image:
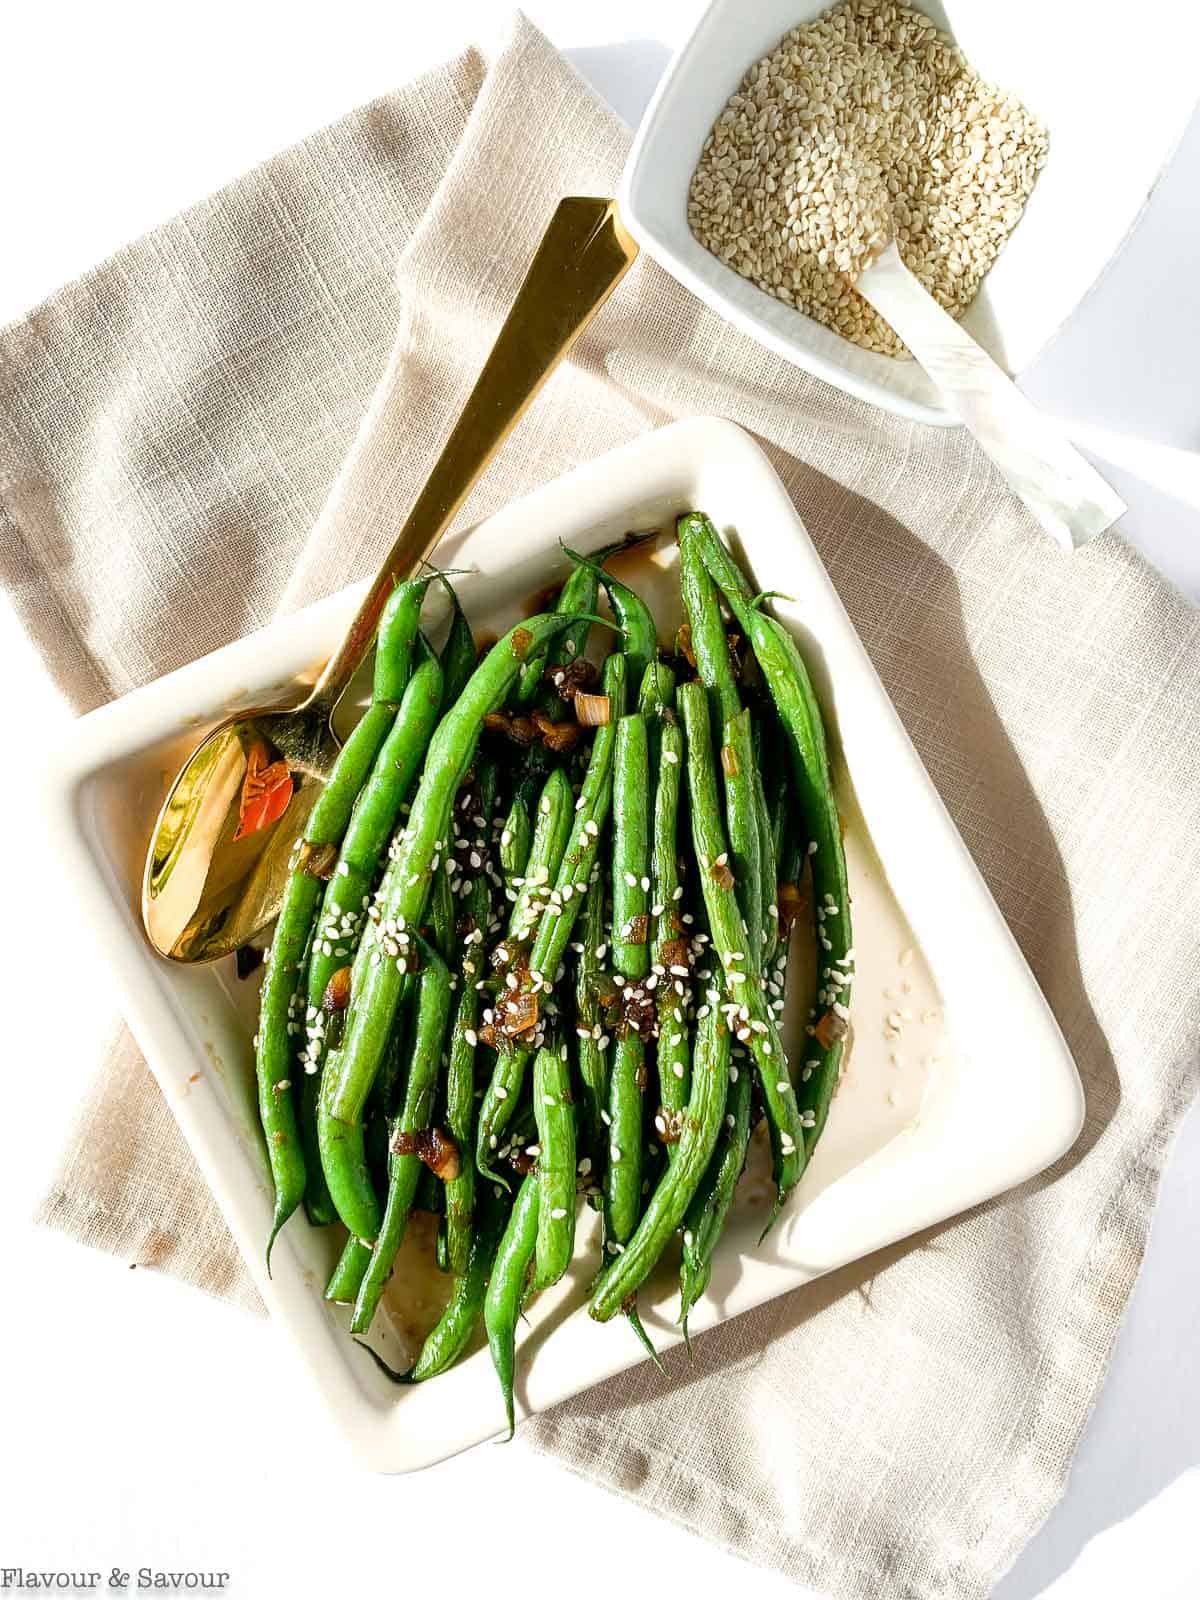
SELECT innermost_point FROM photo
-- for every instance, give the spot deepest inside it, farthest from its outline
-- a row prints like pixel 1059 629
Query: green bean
pixel 282 985
pixel 747 1009
pixel 385 1092
pixel 589 816
pixel 578 594
pixel 318 1202
pixel 555 811
pixel 442 914
pixel 788 893
pixel 591 1049
pixel 451 1334
pixel 500 1100
pixel 552 828
pixel 373 818
pixel 458 653
pixel 702 541
pixel 791 690
pixel 379 966
pixel 710 1205
pixel 768 864
pixel 505 1295
pixel 395 639
pixel 670 950
pixel 631 849
pixel 515 841
pixel 345 1165
pixel 710 646
pixel 701 1125
pixel 433 1013
pixel 639 642
pixel 555 1114
pixel 656 697
pixel 800 715
pixel 745 839
pixel 460 1067
pixel 349 1273
pixel 778 800
pixel 656 693
pixel 631 961
pixel 347 894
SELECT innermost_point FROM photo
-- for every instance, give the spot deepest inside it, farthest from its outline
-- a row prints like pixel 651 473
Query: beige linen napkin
pixel 230 416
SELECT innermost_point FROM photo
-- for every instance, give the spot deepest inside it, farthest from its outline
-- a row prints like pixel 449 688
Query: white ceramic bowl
pixel 1113 88
pixel 1010 1104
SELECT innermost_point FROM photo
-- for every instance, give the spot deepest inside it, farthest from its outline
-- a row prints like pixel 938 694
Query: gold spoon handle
pixel 584 254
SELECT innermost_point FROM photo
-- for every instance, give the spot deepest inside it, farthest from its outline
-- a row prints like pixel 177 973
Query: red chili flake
pixel 266 790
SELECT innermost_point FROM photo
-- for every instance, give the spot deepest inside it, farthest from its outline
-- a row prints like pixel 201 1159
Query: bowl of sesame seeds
pixel 788 140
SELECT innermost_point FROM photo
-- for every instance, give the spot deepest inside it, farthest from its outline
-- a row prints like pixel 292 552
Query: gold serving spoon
pixel 217 863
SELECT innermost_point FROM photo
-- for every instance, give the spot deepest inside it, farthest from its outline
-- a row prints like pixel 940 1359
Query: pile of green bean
pixel 533 950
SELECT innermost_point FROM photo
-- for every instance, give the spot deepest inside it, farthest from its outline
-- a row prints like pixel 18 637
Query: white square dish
pixel 1008 1105
pixel 1072 66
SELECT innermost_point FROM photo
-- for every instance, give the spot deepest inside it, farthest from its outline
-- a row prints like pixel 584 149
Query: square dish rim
pixel 366 1409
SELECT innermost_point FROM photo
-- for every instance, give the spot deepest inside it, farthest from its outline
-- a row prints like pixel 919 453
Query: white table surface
pixel 144 1424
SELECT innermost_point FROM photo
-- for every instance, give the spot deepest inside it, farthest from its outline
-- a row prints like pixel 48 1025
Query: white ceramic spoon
pixel 1067 496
